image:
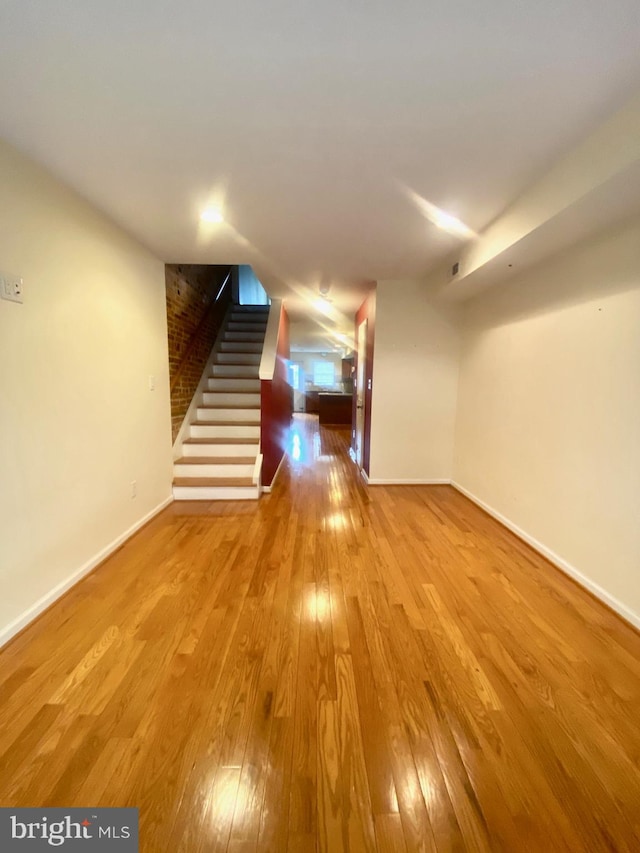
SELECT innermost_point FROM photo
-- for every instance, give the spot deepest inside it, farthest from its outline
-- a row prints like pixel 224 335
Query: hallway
pixel 332 668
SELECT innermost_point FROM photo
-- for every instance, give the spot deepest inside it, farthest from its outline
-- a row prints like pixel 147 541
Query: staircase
pixel 219 459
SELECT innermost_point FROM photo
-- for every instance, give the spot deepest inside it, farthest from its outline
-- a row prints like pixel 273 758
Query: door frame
pixel 361 390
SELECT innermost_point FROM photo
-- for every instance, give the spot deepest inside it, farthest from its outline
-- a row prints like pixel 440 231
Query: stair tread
pixel 213 481
pixel 236 406
pixel 224 423
pixel 218 440
pixel 215 460
pixel 231 391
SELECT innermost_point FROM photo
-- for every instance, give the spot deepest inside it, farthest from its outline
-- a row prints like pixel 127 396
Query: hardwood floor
pixel 334 668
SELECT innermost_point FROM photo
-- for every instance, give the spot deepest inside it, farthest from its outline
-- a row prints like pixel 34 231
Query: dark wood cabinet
pixel 335 408
pixel 311 402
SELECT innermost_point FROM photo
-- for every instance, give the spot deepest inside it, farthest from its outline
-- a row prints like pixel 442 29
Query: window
pixel 294 376
pixel 323 373
pixel 250 291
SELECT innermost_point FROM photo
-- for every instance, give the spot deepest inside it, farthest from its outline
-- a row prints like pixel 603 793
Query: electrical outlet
pixel 11 288
pixel 152 383
pixel 134 488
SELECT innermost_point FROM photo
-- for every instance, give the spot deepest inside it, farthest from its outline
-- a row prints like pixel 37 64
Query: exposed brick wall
pixel 191 290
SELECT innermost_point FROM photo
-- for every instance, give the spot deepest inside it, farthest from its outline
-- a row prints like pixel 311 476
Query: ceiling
pixel 315 127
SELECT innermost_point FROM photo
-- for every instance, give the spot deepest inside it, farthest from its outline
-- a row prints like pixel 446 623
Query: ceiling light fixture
pixel 322 305
pixel 442 219
pixel 450 223
pixel 212 215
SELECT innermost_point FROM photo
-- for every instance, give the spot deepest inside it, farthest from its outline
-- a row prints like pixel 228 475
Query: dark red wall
pixel 367 311
pixel 277 407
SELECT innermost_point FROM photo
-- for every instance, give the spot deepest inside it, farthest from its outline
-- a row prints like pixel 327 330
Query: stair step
pixel 213 481
pixel 208 466
pixel 232 359
pixel 215 460
pixel 205 422
pixel 224 415
pixel 239 371
pixel 243 336
pixel 246 326
pixel 241 346
pixel 234 384
pixel 238 358
pixel 216 493
pixel 216 429
pixel 231 399
pixel 240 407
pixel 221 448
pixel 220 441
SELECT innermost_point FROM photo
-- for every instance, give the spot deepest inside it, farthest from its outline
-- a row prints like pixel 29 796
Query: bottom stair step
pixel 213 481
pixel 215 489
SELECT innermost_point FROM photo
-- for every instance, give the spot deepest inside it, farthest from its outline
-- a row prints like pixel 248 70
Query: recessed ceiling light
pixel 212 214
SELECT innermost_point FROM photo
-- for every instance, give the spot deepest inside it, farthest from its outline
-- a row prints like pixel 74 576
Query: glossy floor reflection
pixel 334 668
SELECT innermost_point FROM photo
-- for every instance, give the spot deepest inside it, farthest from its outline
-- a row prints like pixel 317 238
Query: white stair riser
pixel 250 416
pixel 216 493
pixel 224 384
pixel 219 431
pixel 219 450
pixel 213 469
pixel 239 346
pixel 222 398
pixel 253 337
pixel 249 371
pixel 238 357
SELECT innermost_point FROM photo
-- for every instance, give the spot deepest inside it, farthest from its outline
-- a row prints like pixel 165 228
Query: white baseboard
pixel 563 565
pixel 381 481
pixel 364 476
pixel 47 600
pixel 267 489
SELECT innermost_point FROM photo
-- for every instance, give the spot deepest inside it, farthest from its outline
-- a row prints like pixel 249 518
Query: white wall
pixel 415 375
pixel 548 425
pixel 77 419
